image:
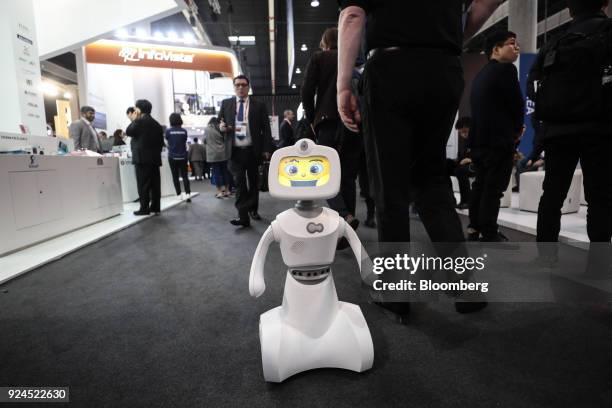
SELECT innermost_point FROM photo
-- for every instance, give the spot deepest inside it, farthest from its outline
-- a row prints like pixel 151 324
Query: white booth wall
pixel 111 89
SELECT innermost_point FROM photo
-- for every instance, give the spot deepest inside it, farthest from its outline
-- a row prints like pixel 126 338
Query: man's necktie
pixel 240 117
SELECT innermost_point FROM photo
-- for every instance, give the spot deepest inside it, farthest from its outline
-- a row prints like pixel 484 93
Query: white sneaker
pixel 182 196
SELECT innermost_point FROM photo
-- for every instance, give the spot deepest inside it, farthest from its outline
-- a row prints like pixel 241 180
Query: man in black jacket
pixel 147 143
pixel 245 121
pixel 320 86
pixel 568 138
pixel 497 123
pixel 287 135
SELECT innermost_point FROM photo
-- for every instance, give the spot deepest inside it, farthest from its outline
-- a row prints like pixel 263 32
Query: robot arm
pixel 362 257
pixel 257 285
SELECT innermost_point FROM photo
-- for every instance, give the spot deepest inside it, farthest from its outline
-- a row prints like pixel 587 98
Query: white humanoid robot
pixel 311 329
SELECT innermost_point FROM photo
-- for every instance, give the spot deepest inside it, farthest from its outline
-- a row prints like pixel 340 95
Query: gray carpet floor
pixel 159 315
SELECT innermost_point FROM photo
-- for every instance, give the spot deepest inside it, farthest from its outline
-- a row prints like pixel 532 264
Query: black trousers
pixel 410 101
pixel 463 174
pixel 244 166
pixel 148 181
pixel 179 168
pixel 334 134
pixel 562 156
pixel 493 169
pixel 364 184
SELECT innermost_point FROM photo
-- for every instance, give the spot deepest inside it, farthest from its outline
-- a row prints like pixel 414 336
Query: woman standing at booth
pixel 217 156
pixel 176 137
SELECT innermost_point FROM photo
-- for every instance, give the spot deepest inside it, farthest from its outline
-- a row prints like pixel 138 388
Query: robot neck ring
pixel 305 205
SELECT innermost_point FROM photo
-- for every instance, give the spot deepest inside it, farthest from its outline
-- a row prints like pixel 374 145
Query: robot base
pixel 312 329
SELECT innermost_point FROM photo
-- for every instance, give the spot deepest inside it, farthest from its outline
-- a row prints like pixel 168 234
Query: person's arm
pixel 479 13
pixel 75 134
pixel 309 88
pixel 350 31
pixel 535 74
pixel 267 132
pixel 514 97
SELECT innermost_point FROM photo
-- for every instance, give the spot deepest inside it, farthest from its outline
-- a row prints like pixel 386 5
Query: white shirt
pixel 242 133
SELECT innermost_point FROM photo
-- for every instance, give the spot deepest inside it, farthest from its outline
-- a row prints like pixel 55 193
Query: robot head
pixel 304 171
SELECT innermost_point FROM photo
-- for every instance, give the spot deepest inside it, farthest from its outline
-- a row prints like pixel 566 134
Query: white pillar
pixel 21 106
pixel 523 20
pixel 81 69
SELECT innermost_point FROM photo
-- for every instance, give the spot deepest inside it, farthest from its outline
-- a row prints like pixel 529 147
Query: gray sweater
pixel 216 145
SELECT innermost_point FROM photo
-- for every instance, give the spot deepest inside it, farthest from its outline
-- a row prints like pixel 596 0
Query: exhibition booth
pixel 51 193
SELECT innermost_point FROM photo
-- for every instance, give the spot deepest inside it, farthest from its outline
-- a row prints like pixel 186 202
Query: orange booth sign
pixel 161 56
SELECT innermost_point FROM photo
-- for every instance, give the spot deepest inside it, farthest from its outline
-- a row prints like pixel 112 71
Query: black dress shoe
pixel 469 307
pixel 139 212
pixel 499 237
pixel 255 216
pixel 401 310
pixel 370 222
pixel 462 206
pixel 240 223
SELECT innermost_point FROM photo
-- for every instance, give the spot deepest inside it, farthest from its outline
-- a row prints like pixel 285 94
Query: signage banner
pixel 161 56
pixel 525 63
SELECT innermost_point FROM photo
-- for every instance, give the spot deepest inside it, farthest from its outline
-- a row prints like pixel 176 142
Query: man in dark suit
pixel 147 143
pixel 245 121
pixel 287 135
pixel 497 124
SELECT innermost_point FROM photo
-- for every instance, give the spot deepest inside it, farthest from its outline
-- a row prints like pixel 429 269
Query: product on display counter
pixel 311 329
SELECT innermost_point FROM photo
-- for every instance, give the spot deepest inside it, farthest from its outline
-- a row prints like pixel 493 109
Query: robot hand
pixel 257 284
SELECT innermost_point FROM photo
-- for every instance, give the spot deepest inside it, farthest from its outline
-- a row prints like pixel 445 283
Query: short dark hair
pixel 117 133
pixel 578 7
pixel 144 106
pixel 497 39
pixel 329 39
pixel 195 140
pixel 214 121
pixel 241 76
pixel 176 120
pixel 463 122
pixel 130 110
pixel 86 108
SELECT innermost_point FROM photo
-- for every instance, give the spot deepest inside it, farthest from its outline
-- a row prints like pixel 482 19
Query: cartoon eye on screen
pixel 311 171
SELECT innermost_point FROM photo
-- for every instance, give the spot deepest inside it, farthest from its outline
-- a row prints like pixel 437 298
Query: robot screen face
pixel 310 171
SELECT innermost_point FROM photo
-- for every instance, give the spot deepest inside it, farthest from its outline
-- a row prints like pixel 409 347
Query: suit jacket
pixel 320 80
pixel 147 140
pixel 498 108
pixel 259 124
pixel 286 136
pixel 83 136
pixel 197 152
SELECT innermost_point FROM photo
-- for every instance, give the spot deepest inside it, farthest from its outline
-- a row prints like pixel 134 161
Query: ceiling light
pixel 242 39
pixel 141 34
pixel 172 36
pixel 298 70
pixel 314 3
pixel 121 33
pixel 188 38
pixel 49 89
pixel 304 47
pixel 293 86
pixel 158 35
pixel 67 95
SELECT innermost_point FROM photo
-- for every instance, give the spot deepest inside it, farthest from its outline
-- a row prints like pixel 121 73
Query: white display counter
pixel 45 196
pixel 129 188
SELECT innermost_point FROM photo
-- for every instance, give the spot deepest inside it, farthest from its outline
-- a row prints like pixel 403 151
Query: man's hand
pixel 538 163
pixel 222 126
pixel 266 156
pixel 465 161
pixel 348 109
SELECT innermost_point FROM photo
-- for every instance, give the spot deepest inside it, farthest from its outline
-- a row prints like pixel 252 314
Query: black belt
pixel 410 50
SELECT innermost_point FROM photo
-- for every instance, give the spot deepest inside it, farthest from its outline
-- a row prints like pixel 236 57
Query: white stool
pixel 455 184
pixel 582 199
pixel 506 200
pixel 531 191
